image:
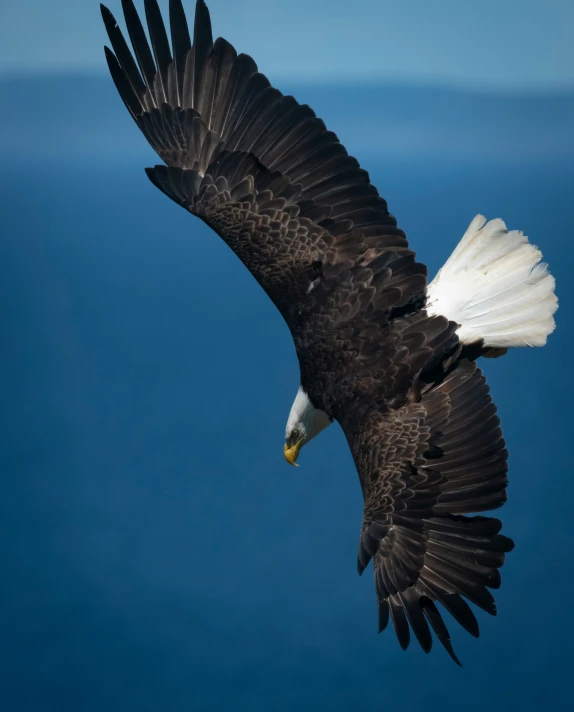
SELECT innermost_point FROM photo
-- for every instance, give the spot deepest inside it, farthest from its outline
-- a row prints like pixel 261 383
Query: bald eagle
pixel 388 356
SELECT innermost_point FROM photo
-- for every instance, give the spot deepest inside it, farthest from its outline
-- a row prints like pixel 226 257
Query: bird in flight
pixel 389 356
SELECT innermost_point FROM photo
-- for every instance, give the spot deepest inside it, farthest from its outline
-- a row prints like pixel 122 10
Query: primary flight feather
pixel 390 357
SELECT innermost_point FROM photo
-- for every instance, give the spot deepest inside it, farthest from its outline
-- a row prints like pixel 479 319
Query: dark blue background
pixel 157 552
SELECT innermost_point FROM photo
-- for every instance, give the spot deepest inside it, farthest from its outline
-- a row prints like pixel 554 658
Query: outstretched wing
pixel 423 467
pixel 259 168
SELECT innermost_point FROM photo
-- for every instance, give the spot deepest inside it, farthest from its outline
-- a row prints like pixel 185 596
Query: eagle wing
pixel 423 466
pixel 261 169
pixel 428 448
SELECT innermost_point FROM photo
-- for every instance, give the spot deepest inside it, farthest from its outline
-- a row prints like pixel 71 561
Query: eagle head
pixel 304 423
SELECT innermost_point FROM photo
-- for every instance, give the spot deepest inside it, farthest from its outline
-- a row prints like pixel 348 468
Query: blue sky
pixel 157 552
pixel 494 43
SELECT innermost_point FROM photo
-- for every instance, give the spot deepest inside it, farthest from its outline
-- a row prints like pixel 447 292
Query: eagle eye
pixel 295 433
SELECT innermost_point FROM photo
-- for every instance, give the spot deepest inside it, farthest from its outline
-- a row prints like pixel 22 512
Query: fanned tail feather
pixel 496 289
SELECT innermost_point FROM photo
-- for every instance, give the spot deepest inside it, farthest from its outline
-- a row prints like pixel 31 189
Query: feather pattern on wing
pixel 423 464
pixel 223 104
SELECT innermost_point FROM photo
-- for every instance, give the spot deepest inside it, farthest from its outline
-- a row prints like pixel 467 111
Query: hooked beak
pixel 292 453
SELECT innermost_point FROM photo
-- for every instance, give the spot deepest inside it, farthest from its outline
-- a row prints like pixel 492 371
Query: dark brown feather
pixel 139 43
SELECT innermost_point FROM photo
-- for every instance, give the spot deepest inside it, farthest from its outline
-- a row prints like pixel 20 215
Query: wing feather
pixel 181 43
pixel 423 552
pixel 124 57
pixel 140 44
pixel 160 47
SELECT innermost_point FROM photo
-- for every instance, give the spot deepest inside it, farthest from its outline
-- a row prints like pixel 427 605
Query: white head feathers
pixel 305 418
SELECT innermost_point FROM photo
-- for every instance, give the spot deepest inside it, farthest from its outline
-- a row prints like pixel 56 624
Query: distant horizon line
pixel 550 90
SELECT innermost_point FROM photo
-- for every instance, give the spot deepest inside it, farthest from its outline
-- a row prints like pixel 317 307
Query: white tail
pixel 495 287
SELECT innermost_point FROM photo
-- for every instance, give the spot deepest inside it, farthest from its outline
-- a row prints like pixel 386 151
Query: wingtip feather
pixel 202 30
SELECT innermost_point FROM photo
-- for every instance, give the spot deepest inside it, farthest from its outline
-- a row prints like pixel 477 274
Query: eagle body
pixel 389 356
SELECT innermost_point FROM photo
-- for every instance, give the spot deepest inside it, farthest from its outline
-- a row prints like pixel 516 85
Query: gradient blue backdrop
pixel 156 552
pixel 509 44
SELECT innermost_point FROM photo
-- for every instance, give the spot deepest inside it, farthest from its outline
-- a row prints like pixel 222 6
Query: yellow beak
pixel 292 453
